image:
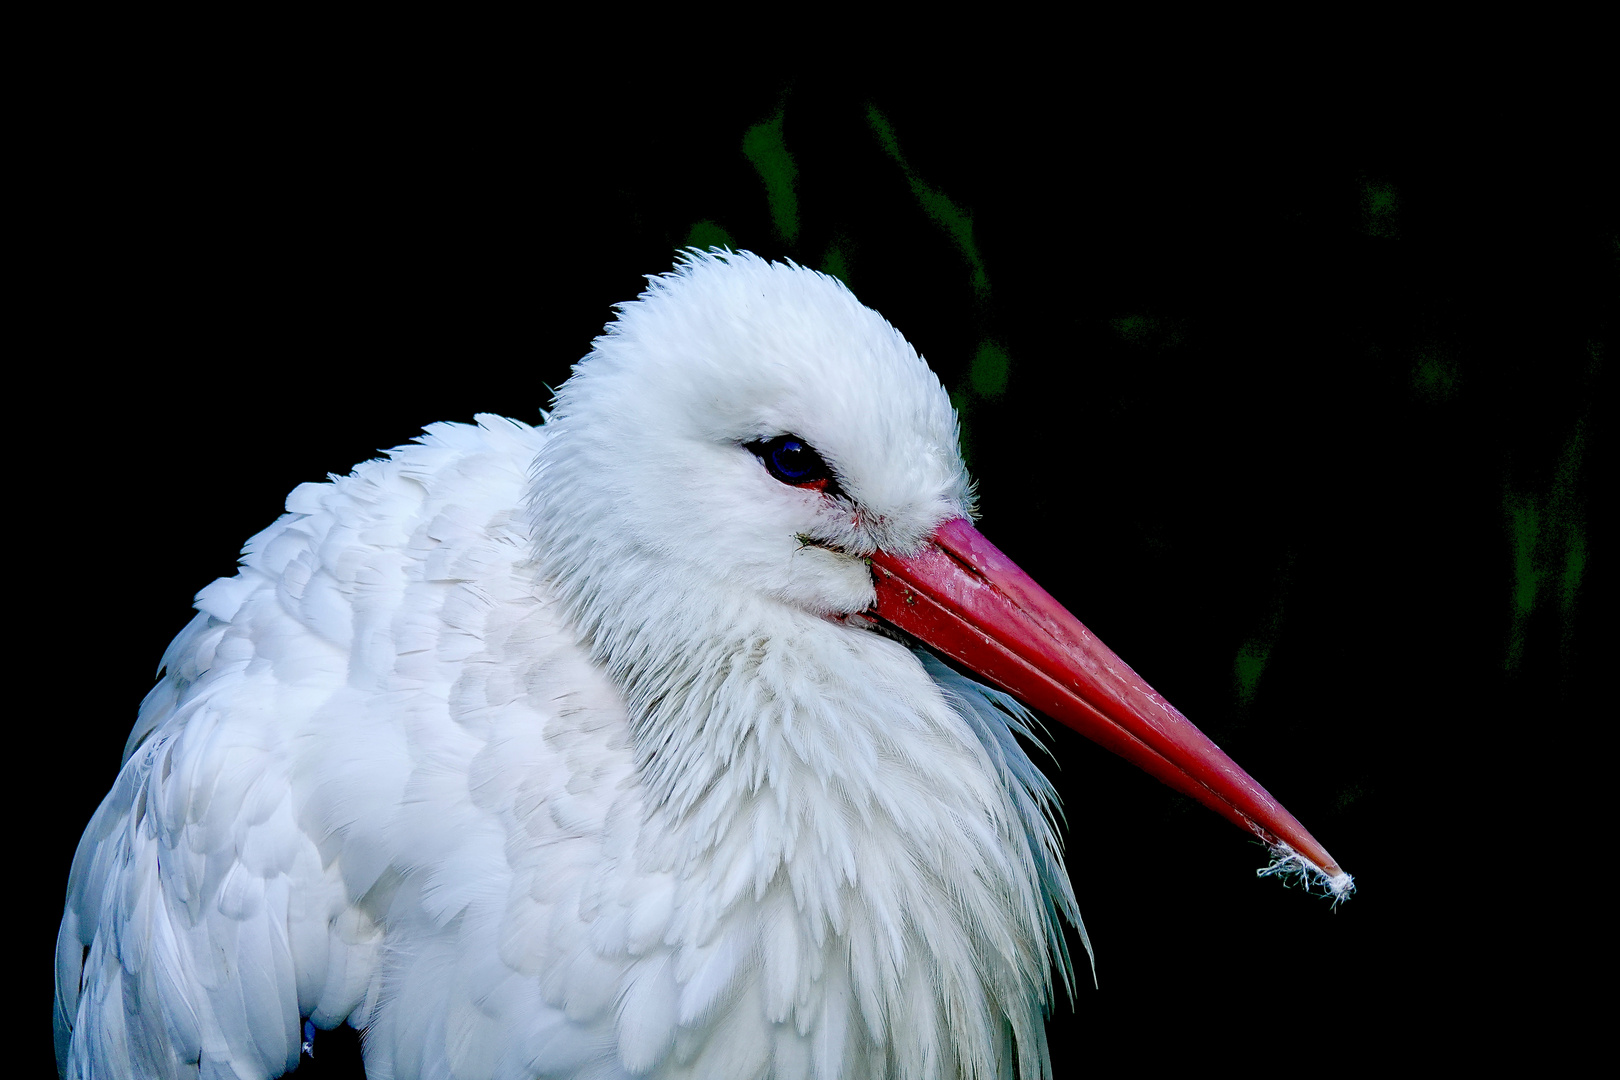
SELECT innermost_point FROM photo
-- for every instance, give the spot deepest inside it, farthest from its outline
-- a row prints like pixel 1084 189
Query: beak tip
pixel 1294 868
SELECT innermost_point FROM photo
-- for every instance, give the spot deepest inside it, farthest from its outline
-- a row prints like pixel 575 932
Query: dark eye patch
pixel 795 462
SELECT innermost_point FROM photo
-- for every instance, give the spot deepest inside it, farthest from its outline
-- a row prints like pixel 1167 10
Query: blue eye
pixel 793 461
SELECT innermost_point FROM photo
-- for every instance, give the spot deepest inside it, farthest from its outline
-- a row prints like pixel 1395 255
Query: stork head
pixel 752 427
pixel 747 437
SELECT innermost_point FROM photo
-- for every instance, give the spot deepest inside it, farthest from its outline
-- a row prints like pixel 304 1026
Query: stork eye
pixel 793 461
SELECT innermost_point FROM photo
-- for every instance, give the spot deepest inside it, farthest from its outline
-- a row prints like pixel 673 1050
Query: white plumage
pixel 564 750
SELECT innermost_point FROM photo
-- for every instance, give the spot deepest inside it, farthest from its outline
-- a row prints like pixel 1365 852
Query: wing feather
pixel 294 832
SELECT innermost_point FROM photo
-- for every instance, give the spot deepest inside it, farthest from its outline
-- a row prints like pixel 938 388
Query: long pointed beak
pixel 964 598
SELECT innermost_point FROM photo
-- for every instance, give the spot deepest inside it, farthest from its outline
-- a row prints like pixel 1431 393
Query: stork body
pixel 552 751
pixel 610 748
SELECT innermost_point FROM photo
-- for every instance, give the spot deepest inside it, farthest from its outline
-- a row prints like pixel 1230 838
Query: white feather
pixel 553 751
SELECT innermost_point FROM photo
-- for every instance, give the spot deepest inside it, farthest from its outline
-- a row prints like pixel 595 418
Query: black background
pixel 1291 350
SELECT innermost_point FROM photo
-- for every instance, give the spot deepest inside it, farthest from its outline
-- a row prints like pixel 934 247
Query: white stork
pixel 609 747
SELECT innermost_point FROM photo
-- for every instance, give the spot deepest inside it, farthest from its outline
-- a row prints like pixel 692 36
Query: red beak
pixel 964 598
